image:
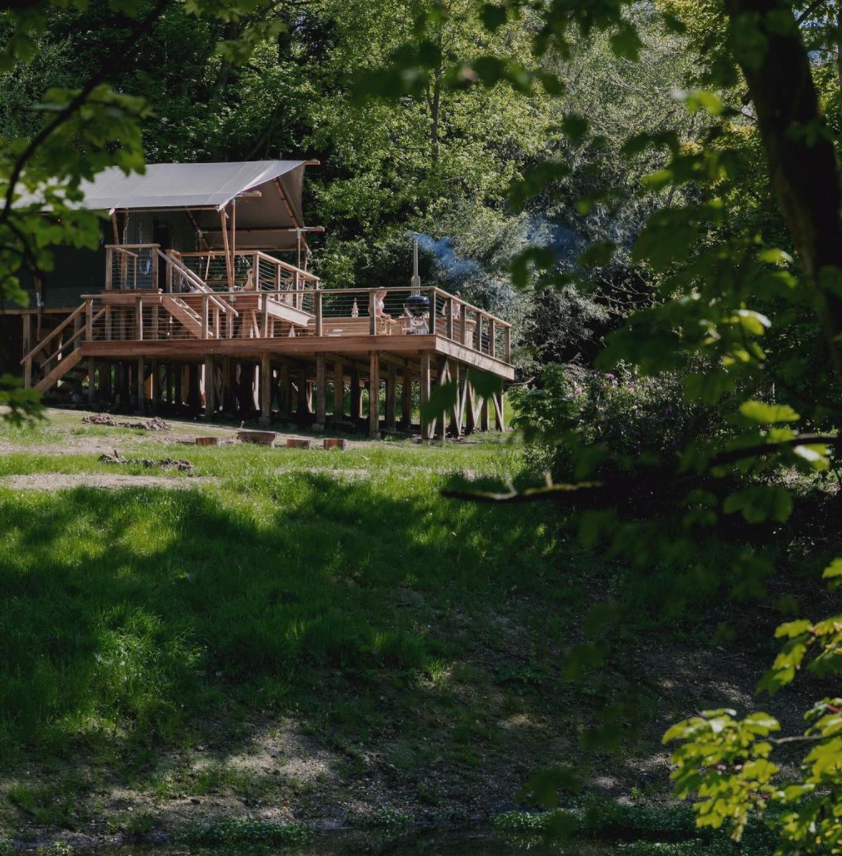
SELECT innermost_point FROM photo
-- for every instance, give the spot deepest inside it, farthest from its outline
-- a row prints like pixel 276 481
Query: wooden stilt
pixel 338 391
pixel 427 427
pixel 265 389
pixel 499 415
pixel 406 399
pixel 227 398
pixel 455 412
pixel 284 391
pixel 391 383
pixel 178 385
pixel 141 386
pixel 155 386
pixel 210 388
pixel 193 389
pixel 374 395
pixel 91 381
pixel 356 398
pixel 483 415
pixel 303 408
pixel 321 390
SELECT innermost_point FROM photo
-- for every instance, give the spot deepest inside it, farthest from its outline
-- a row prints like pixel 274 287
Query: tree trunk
pixel 799 149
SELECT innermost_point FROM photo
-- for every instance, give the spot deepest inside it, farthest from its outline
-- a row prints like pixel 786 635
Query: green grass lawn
pixel 337 590
pixel 312 636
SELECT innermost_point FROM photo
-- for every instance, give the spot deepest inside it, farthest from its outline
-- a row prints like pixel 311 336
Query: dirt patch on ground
pixel 68 481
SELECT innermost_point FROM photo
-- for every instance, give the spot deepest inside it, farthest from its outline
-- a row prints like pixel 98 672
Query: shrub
pixel 607 421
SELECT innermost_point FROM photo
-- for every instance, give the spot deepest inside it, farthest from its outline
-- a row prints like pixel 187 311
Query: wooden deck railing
pixel 336 313
pixel 254 270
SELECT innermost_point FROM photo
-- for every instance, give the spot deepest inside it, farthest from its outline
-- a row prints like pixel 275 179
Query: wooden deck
pixel 275 342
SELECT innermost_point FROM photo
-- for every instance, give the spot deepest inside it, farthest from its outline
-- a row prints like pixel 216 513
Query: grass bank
pixel 297 636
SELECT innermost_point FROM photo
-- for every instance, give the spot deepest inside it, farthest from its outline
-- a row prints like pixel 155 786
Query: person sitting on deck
pixel 250 285
pixel 380 305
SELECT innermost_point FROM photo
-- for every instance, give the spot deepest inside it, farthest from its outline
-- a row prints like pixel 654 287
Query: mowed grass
pixel 137 615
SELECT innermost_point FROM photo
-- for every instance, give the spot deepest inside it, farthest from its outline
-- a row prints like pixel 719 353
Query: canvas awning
pixel 267 219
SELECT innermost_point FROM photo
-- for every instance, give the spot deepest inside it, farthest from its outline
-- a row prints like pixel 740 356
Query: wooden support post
pixel 406 399
pixel 391 383
pixel 483 415
pixel 427 427
pixel 229 259
pixel 204 316
pixel 210 388
pixel 471 406
pixel 321 390
pixel 105 370
pixel 374 395
pixel 265 389
pixel 141 387
pixel 91 380
pixel 193 393
pixel 284 391
pixel 139 319
pixel 177 386
pixel 448 324
pixel 356 398
pixel 303 403
pixel 372 314
pixel 507 343
pixel 499 415
pixel 455 413
pixel 155 385
pixel 317 300
pixel 338 391
pixel 264 320
pixel 432 311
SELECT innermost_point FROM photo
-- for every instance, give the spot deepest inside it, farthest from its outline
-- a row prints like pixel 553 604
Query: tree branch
pixel 143 27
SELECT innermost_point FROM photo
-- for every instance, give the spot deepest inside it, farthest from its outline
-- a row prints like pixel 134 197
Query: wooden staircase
pixel 188 317
pixel 56 355
pixel 61 370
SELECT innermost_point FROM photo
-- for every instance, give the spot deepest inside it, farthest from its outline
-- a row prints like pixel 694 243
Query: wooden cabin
pixel 201 298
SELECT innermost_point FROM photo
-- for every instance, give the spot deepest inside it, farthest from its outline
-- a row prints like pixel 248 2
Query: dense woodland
pixel 650 192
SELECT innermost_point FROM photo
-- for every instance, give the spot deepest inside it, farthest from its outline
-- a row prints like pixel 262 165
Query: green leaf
pixel 485 384
pixel 833 573
pixel 575 127
pixel 791 629
pixel 775 256
pixel 702 99
pixel 753 322
pixel 765 414
pixel 493 17
pixel 759 503
pixel 626 43
pixel 598 254
pixel 443 397
pixel 539 258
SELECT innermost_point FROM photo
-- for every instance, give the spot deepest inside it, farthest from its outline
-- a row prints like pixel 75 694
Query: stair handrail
pixel 299 272
pixel 76 335
pixel 197 281
pixel 55 333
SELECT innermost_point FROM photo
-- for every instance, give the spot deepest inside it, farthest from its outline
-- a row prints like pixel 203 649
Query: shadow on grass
pixel 140 617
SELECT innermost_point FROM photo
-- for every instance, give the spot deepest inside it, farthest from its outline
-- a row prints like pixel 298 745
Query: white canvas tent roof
pixel 263 221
